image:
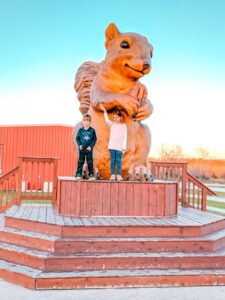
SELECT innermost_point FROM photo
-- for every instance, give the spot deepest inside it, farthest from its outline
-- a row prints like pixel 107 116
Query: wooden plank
pixel 20 211
pixel 83 198
pixel 173 199
pixel 68 221
pixel 90 198
pixel 130 199
pixel 137 199
pixel 75 198
pixel 42 214
pixel 77 221
pixel 35 213
pixel 106 195
pixel 50 215
pixel 78 198
pixel 66 190
pixel 160 200
pixel 122 199
pixel 63 200
pixel 144 199
pixel 152 194
pixel 27 212
pixel 98 198
pixel 12 211
pixel 168 197
pixel 58 219
pixel 114 201
pixel 64 197
pixel 54 181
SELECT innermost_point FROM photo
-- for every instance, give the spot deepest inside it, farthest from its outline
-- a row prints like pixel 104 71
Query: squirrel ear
pixel 110 33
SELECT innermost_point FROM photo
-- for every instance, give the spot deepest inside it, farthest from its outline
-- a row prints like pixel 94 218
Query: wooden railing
pixel 35 179
pixel 193 193
pixel 196 195
pixel 8 189
pixel 171 171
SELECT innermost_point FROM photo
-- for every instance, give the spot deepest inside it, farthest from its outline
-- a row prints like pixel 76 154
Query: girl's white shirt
pixel 118 134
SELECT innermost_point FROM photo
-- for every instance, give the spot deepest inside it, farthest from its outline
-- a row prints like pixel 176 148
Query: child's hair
pixel 86 117
pixel 118 113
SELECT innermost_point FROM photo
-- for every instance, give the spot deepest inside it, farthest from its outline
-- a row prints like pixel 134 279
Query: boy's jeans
pixel 115 160
pixel 89 158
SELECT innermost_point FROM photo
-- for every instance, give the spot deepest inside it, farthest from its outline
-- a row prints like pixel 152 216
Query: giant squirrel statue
pixel 115 83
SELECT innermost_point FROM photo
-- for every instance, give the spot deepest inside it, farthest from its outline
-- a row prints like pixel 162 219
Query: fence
pixel 34 179
pixel 193 193
pixel 8 189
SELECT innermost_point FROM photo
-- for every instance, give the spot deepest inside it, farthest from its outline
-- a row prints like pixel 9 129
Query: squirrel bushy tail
pixel 83 82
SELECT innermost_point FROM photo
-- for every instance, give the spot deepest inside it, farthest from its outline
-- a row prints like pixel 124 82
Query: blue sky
pixel 43 42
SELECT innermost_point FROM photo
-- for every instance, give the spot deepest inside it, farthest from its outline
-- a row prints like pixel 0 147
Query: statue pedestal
pixel 107 198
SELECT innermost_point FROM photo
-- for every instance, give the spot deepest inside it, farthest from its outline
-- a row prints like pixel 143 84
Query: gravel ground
pixel 9 291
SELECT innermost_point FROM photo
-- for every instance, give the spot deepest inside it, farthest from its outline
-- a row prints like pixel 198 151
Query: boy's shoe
pixel 151 177
pixel 119 178
pixel 84 175
pixel 112 178
pixel 78 177
pixel 92 177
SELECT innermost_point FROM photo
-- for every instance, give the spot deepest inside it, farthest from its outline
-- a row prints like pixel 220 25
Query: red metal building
pixel 39 141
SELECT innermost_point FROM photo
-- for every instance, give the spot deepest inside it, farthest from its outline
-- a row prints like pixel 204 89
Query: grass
pixel 10 198
pixel 216 204
pixel 36 201
pixel 220 194
pixel 215 212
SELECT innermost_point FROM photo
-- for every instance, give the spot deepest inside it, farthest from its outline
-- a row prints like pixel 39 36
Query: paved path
pixel 9 291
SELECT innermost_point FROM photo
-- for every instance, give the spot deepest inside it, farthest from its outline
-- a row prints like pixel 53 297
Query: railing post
pixel 184 184
pixel 153 169
pixel 20 178
pixel 54 192
pixel 204 197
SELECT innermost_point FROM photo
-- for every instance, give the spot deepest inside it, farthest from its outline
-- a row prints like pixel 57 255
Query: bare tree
pixel 170 152
pixel 202 152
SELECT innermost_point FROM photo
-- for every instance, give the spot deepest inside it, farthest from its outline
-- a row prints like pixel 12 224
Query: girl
pixel 117 141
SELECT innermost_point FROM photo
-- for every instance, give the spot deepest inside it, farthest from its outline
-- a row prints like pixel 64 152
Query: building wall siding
pixel 40 141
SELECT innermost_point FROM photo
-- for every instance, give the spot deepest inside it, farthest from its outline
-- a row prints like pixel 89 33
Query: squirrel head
pixel 129 54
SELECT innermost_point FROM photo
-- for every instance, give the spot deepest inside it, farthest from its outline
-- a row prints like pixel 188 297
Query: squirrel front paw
pixel 130 104
pixel 144 111
pixel 139 91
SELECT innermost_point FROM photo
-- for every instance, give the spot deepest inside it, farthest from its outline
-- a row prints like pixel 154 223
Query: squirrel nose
pixel 146 66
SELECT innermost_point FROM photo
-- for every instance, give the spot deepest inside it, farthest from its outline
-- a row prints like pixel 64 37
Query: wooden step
pixel 65 245
pixel 35 279
pixel 212 242
pixel 49 262
pixel 33 240
pixel 134 228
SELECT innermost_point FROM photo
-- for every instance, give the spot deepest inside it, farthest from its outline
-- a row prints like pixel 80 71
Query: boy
pixel 86 139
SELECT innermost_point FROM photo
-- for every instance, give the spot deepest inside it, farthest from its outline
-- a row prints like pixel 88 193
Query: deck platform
pixel 40 249
pixel 107 198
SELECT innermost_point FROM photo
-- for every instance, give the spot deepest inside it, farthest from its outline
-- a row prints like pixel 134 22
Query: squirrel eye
pixel 124 44
pixel 151 54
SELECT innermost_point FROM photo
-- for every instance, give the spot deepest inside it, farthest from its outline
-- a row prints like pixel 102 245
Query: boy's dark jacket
pixel 86 138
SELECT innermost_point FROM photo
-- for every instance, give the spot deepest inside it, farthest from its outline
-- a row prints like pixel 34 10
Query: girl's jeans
pixel 115 160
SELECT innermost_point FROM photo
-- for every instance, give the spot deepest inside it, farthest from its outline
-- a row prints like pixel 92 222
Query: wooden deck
pixel 45 213
pixel 41 250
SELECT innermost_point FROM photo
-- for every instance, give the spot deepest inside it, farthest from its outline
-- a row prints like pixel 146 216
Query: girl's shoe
pixel 119 178
pixel 112 178
pixel 92 177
